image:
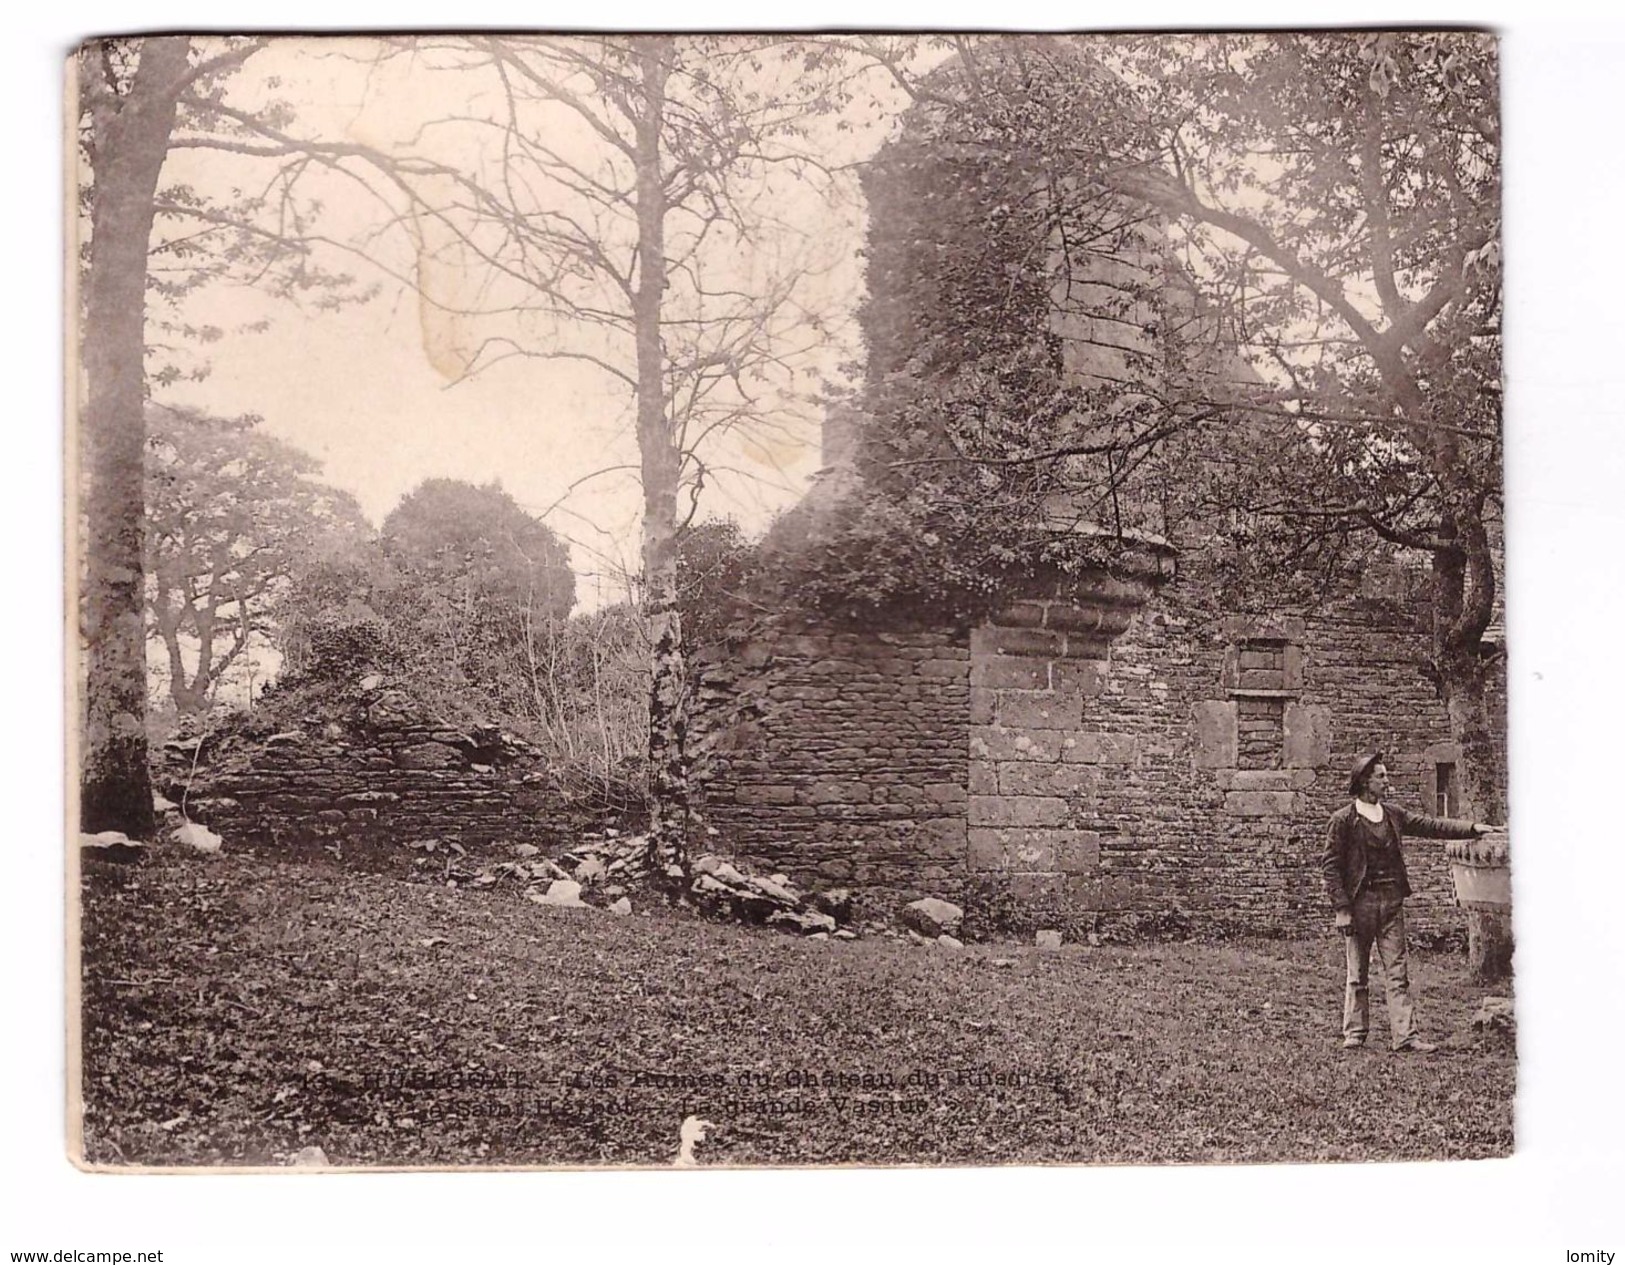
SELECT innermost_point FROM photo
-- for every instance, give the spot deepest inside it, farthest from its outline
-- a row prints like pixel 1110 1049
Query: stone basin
pixel 1482 870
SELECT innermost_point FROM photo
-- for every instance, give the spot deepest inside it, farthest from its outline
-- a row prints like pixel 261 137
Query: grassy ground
pixel 237 1010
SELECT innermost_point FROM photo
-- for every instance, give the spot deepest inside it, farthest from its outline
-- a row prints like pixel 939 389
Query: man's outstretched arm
pixel 1423 826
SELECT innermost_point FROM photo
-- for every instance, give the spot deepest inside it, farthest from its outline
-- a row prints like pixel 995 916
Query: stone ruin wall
pixel 1044 774
pixel 1044 770
pixel 1232 747
pixel 841 760
pixel 385 777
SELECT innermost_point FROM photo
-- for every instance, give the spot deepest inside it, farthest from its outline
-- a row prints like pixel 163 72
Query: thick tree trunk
pixel 1466 684
pixel 1489 945
pixel 131 141
pixel 1467 698
pixel 668 729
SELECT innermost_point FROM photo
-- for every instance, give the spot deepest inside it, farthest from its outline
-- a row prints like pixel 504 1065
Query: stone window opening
pixel 1446 792
pixel 1263 742
pixel 1261 689
pixel 1441 791
pixel 1260 732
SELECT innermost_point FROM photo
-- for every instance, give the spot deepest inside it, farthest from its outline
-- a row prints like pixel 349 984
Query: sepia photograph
pixel 759 600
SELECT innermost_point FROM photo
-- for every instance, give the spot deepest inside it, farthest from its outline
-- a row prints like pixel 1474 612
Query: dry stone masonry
pixel 1107 758
pixel 381 773
pixel 842 759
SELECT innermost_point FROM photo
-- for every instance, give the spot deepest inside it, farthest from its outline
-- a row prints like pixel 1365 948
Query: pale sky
pixel 360 390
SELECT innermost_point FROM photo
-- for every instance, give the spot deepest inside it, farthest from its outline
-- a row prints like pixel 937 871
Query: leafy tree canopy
pixel 462 592
pixel 715 563
pixel 477 549
pixel 232 516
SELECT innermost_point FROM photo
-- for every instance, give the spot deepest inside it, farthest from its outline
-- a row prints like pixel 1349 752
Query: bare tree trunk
pixel 131 141
pixel 668 754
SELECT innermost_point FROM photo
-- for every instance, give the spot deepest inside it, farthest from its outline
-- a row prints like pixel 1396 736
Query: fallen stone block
pixel 111 845
pixel 949 942
pixel 932 917
pixel 728 874
pixel 563 892
pixel 806 920
pixel 775 890
pixel 706 885
pixel 1048 940
pixel 197 837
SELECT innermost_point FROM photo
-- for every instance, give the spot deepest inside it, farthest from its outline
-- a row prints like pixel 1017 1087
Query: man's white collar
pixel 1371 812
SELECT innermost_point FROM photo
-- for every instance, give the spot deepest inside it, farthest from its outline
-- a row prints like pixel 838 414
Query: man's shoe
pixel 1414 1046
pixel 1354 1043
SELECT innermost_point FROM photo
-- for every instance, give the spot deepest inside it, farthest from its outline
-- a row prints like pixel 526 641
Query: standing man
pixel 1365 877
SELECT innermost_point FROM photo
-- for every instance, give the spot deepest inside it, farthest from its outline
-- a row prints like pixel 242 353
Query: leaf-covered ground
pixel 237 1010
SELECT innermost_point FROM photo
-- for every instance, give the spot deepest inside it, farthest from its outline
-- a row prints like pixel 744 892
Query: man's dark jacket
pixel 1343 862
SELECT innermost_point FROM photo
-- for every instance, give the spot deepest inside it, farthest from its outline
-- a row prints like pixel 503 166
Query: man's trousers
pixel 1379 923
